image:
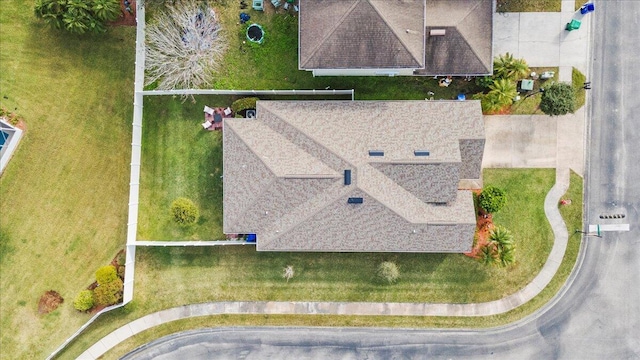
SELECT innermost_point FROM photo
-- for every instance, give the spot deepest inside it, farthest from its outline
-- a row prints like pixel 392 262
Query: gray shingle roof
pixel 339 34
pixel 283 174
pixel 466 48
pixel 366 34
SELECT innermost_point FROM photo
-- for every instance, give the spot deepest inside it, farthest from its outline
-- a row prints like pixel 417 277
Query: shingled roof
pixel 356 34
pixel 466 47
pixel 284 175
pixel 395 34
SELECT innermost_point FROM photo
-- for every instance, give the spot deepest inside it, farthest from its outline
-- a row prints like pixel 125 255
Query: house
pixel 354 176
pixel 396 37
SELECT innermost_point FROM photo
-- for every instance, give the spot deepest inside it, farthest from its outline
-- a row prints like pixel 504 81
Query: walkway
pixel 512 141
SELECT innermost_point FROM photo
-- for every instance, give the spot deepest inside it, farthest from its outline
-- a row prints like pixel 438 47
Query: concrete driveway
pixel 535 141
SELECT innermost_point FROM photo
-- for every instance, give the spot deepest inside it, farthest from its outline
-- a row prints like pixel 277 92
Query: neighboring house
pixel 396 37
pixel 362 176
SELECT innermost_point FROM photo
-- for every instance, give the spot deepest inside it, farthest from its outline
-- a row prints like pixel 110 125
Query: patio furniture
pixel 227 111
pixel 258 5
pixel 547 75
pixel 208 110
pixel 276 3
pixel 206 125
pixel 217 118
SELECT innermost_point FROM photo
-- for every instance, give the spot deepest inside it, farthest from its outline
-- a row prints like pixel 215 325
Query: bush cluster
pixel 244 104
pixel 492 199
pixel 84 301
pixel 11 117
pixel 184 211
pixel 388 272
pixel 106 274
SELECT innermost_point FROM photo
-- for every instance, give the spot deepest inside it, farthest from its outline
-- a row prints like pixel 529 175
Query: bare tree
pixel 184 46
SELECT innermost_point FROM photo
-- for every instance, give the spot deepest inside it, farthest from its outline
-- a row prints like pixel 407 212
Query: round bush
pixel 109 293
pixel 388 272
pixel 84 301
pixel 106 274
pixel 492 199
pixel 184 211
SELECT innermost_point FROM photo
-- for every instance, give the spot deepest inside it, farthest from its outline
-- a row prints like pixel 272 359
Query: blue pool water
pixel 3 138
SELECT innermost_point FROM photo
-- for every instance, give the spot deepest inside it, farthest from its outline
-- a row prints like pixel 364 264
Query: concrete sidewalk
pixel 512 141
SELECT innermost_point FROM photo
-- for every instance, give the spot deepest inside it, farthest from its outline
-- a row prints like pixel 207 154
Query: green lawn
pixel 531 104
pixel 167 277
pixel 572 215
pixel 179 159
pixel 274 64
pixel 63 196
pixel 577 80
pixel 528 5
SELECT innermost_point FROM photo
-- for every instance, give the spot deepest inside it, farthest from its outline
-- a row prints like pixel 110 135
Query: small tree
pixel 504 91
pixel 492 199
pixel 184 46
pixel 106 274
pixel 109 293
pixel 288 273
pixel 84 301
pixel 388 272
pixel 502 241
pixel 184 211
pixel 506 67
pixel 558 99
pixel 78 16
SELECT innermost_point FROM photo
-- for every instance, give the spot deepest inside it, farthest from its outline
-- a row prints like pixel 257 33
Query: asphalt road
pixel 596 317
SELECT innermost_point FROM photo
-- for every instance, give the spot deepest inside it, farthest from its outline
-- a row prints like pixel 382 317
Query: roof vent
pixel 421 153
pixel 376 152
pixel 437 32
pixel 355 200
pixel 347 177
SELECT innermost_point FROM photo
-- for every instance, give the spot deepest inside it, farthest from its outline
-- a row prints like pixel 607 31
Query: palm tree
pixel 106 10
pixel 504 90
pixel 502 240
pixel 506 67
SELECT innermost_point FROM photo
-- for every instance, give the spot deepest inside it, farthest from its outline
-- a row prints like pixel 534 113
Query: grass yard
pixel 180 159
pixel 63 196
pixel 528 5
pixel 531 104
pixel 274 64
pixel 573 218
pixel 167 277
pixel 577 82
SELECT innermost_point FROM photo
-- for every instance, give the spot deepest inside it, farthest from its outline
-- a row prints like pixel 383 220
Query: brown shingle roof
pixel 466 48
pixel 346 34
pixel 283 174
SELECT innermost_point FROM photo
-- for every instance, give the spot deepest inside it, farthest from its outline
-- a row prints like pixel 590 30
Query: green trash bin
pixel 573 25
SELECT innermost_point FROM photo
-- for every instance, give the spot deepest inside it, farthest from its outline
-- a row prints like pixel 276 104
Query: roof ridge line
pixel 335 28
pixel 310 138
pixel 477 4
pixel 421 63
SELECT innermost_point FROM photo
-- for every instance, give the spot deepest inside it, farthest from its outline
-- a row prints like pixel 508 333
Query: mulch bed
pixel 126 19
pixel 484 225
pixel 49 301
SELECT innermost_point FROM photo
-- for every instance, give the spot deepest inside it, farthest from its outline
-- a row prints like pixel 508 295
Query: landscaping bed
pixel 528 5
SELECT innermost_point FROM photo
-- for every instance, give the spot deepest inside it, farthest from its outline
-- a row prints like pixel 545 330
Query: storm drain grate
pixel 612 216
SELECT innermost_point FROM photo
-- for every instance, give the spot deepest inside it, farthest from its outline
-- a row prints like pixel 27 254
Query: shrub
pixel 78 16
pixel 109 293
pixel 184 211
pixel 84 301
pixel 558 99
pixel 492 199
pixel 503 245
pixel 288 273
pixel 388 272
pixel 244 104
pixel 106 274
